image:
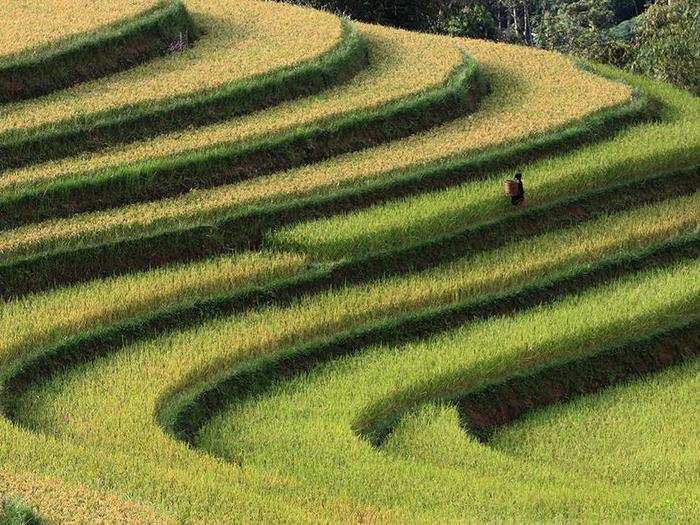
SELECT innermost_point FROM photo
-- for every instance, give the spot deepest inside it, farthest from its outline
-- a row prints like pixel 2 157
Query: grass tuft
pixel 13 513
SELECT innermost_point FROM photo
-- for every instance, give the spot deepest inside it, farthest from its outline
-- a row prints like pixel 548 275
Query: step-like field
pixel 268 274
pixel 34 23
pixel 48 46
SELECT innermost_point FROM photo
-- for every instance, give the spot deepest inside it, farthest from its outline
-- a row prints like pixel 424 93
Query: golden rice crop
pixel 242 39
pixel 41 320
pixel 85 442
pixel 26 24
pixel 61 503
pixel 428 215
pixel 533 91
pixel 401 64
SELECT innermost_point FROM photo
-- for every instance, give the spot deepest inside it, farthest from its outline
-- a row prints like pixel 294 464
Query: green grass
pixel 86 308
pixel 79 417
pixel 114 126
pixel 635 434
pixel 235 161
pixel 32 323
pixel 304 427
pixel 12 513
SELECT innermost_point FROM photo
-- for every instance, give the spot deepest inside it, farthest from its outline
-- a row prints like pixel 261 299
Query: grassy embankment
pixel 33 64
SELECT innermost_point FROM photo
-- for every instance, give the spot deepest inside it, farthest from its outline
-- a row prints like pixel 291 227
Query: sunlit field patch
pixel 29 24
pixel 71 503
pixel 634 432
pixel 73 406
pixel 470 278
pixel 324 408
pixel 522 89
pixel 634 153
pixel 401 64
pixel 241 39
pixel 43 320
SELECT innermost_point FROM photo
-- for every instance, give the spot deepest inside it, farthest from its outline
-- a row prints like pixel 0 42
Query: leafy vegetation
pixel 315 416
pixel 14 514
pixel 666 43
pixel 629 429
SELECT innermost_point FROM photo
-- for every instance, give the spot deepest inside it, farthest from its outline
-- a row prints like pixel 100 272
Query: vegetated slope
pixel 514 87
pixel 378 105
pixel 238 42
pixel 37 23
pixel 13 514
pixel 21 490
pixel 29 69
pixel 347 262
pixel 234 67
pixel 634 432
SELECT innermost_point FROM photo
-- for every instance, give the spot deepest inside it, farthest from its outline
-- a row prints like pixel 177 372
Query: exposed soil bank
pixel 484 411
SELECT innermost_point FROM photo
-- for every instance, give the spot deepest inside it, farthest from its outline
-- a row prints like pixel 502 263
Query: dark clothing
pixel 519 197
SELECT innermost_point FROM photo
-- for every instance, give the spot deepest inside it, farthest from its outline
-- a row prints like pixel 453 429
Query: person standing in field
pixel 516 190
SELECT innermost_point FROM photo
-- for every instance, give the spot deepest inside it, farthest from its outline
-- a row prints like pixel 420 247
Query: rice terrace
pixel 266 263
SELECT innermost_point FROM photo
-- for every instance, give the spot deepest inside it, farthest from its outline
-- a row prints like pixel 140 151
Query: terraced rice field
pixel 268 274
pixel 33 23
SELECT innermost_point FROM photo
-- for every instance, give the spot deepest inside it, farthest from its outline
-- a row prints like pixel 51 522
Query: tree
pixel 666 43
pixel 410 14
pixel 580 27
pixel 472 20
pixel 662 42
pixel 626 9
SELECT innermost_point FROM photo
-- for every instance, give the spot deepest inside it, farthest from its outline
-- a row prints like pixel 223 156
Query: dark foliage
pixel 667 43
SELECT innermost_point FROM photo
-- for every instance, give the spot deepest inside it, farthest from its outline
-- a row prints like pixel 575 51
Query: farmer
pixel 519 196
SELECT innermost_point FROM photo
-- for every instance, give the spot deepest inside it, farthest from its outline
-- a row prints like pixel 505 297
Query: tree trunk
pixel 515 21
pixel 527 32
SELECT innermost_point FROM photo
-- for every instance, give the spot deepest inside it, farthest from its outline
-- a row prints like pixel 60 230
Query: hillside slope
pixel 273 277
pixel 47 46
